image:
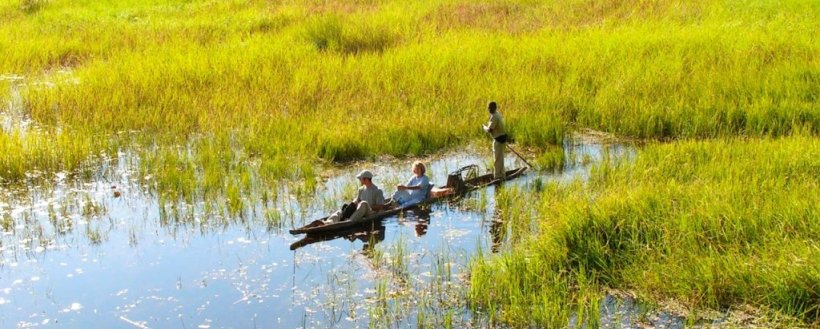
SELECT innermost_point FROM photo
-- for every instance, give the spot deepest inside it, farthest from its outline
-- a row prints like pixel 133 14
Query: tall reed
pixel 714 224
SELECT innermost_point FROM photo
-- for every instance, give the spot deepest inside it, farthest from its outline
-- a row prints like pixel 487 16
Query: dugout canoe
pixel 438 194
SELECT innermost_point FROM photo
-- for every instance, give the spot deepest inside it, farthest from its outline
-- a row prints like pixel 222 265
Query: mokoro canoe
pixel 470 184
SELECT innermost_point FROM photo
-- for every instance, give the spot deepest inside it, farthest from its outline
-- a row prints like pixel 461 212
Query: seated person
pixel 416 189
pixel 369 199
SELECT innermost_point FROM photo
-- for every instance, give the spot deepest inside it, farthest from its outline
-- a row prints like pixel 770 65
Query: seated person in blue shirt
pixel 416 189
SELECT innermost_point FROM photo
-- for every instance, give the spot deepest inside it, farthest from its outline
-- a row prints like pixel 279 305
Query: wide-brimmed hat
pixel 365 174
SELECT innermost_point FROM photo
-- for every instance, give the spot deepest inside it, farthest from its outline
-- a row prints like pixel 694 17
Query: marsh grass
pixel 36 221
pixel 32 6
pixel 225 102
pixel 32 153
pixel 350 35
pixel 551 158
pixel 287 83
pixel 677 222
pixel 417 288
pixel 476 201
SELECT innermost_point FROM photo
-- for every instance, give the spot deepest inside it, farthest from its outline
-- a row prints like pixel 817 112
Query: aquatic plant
pixel 223 103
pixel 677 222
pixel 281 84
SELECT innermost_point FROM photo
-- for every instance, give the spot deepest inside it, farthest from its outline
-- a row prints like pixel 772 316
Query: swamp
pixel 154 155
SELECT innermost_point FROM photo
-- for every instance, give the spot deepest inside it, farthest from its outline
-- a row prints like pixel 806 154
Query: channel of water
pixel 82 253
pixel 81 256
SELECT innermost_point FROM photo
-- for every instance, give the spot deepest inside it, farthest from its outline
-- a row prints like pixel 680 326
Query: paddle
pixel 513 151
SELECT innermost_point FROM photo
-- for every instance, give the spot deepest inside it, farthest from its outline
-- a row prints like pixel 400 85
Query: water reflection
pixel 497 234
pixel 369 234
pixel 422 221
pixel 369 237
pixel 79 254
pixel 497 228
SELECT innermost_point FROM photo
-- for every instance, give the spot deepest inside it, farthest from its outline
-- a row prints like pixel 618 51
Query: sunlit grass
pixel 28 152
pixel 226 101
pixel 713 224
pixel 297 81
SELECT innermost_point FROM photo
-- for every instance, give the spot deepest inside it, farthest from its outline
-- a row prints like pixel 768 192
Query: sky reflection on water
pixel 79 257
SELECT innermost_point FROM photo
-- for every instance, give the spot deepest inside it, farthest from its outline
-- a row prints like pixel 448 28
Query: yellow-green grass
pixel 658 77
pixel 293 81
pixel 224 98
pixel 35 153
pixel 712 224
pixel 269 84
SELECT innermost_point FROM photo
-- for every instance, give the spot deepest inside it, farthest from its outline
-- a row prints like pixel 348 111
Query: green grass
pixel 25 156
pixel 713 224
pixel 296 81
pixel 225 100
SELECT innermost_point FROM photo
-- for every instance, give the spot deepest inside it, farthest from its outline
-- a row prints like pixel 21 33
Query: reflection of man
pixel 495 127
pixel 497 228
pixel 370 238
pixel 497 234
pixel 421 228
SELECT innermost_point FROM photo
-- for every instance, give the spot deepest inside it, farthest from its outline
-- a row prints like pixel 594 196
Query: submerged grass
pixel 416 288
pixel 713 224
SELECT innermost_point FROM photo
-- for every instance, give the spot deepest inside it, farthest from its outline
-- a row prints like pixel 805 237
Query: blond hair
pixel 420 165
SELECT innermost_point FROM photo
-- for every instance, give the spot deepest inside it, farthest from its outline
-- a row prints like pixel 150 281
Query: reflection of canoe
pixel 438 194
pixel 370 234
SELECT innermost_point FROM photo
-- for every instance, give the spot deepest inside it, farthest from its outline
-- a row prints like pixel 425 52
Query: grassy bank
pixel 220 100
pixel 712 224
pixel 296 81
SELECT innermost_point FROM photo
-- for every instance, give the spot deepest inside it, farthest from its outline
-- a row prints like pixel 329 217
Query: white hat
pixel 365 174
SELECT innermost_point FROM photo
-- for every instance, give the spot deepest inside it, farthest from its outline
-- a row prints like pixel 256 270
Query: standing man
pixel 495 127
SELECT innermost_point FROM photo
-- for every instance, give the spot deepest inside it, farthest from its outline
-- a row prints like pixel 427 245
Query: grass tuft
pixel 352 35
pixel 32 6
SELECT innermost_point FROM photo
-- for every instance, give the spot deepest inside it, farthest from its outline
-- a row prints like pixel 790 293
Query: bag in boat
pixel 347 210
pixel 455 179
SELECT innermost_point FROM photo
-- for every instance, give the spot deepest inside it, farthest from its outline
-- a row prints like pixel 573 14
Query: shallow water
pixel 75 255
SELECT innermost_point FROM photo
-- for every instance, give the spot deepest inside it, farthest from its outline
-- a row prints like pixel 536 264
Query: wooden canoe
pixel 471 184
pixel 370 234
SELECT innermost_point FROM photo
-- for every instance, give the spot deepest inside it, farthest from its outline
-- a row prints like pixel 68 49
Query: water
pixel 103 251
pixel 96 254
